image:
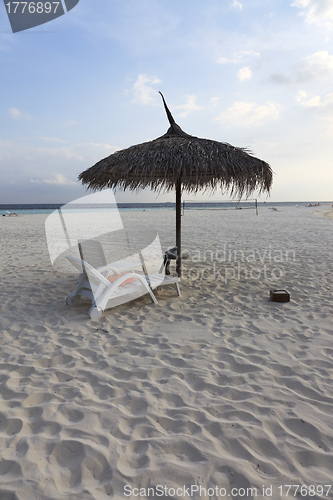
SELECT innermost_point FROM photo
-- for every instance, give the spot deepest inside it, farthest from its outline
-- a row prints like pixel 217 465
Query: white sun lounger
pixel 93 282
pixel 103 294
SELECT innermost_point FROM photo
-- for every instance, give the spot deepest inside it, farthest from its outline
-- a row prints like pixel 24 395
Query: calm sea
pixel 49 208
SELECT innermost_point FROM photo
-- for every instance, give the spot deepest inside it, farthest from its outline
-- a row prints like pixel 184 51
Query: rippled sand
pixel 219 388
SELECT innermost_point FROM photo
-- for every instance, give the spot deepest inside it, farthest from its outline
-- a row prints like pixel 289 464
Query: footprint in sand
pixel 135 459
pixel 74 463
pixel 10 426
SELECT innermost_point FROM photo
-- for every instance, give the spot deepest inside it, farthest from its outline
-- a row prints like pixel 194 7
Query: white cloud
pixel 248 114
pixel 143 92
pixel 4 144
pixel 322 104
pixel 320 61
pixel 87 151
pixel 188 107
pixel 319 64
pixel 239 57
pixel 98 145
pixel 318 12
pixel 244 73
pixel 237 4
pixel 69 124
pixel 16 114
pixel 64 152
pixel 27 165
pixel 225 60
pixel 321 107
pixel 304 99
pixel 214 101
pixel 53 139
pixel 59 179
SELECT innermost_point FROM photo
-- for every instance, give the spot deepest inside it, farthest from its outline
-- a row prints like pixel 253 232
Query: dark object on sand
pixel 280 296
pixel 181 162
pixel 170 254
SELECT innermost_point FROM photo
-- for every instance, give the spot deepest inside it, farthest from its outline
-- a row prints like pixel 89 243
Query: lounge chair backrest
pixel 91 251
pixel 96 279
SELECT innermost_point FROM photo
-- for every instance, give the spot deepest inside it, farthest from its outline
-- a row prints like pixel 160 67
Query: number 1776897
pixel 32 7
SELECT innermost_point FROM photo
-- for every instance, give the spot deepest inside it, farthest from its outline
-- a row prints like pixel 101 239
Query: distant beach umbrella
pixel 184 163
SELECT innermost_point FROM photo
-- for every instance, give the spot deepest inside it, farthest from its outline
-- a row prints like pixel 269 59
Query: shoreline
pixel 137 207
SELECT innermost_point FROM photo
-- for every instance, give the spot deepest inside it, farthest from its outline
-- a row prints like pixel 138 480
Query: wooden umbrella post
pixel 178 226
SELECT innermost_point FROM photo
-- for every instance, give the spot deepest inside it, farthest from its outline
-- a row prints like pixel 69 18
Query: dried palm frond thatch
pixel 180 161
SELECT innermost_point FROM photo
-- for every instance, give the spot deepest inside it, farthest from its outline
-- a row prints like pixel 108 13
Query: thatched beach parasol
pixel 182 162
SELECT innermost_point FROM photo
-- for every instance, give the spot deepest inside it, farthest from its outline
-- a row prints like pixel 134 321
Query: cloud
pixel 320 107
pixel 53 139
pixel 98 145
pixel 87 151
pixel 323 105
pixel 280 78
pixel 59 179
pixel 70 124
pixel 248 114
pixel 237 4
pixel 214 101
pixel 188 107
pixel 143 92
pixel 4 144
pixel 318 65
pixel 64 152
pixel 239 57
pixel 244 73
pixel 304 98
pixel 16 114
pixel 318 12
pixel 22 162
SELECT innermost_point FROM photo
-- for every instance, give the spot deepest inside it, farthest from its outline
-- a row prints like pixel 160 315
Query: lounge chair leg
pixel 153 298
pixel 178 290
pixel 72 300
pixel 95 313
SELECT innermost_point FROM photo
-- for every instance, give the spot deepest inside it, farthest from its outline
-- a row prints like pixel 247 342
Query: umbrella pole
pixel 178 226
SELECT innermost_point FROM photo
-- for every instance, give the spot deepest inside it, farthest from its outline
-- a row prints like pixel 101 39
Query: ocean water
pixel 122 207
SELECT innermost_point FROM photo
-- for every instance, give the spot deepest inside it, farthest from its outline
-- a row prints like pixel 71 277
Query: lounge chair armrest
pixel 124 266
pixel 108 268
pixel 125 277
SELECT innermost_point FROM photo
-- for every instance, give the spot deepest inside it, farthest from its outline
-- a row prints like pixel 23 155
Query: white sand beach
pixel 220 389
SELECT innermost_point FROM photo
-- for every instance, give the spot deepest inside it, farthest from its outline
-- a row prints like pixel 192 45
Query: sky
pixel 254 73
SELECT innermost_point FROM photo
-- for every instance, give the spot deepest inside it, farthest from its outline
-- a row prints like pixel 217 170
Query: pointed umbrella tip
pixel 169 115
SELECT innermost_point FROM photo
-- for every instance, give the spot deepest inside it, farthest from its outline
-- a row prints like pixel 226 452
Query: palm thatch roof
pixel 179 158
